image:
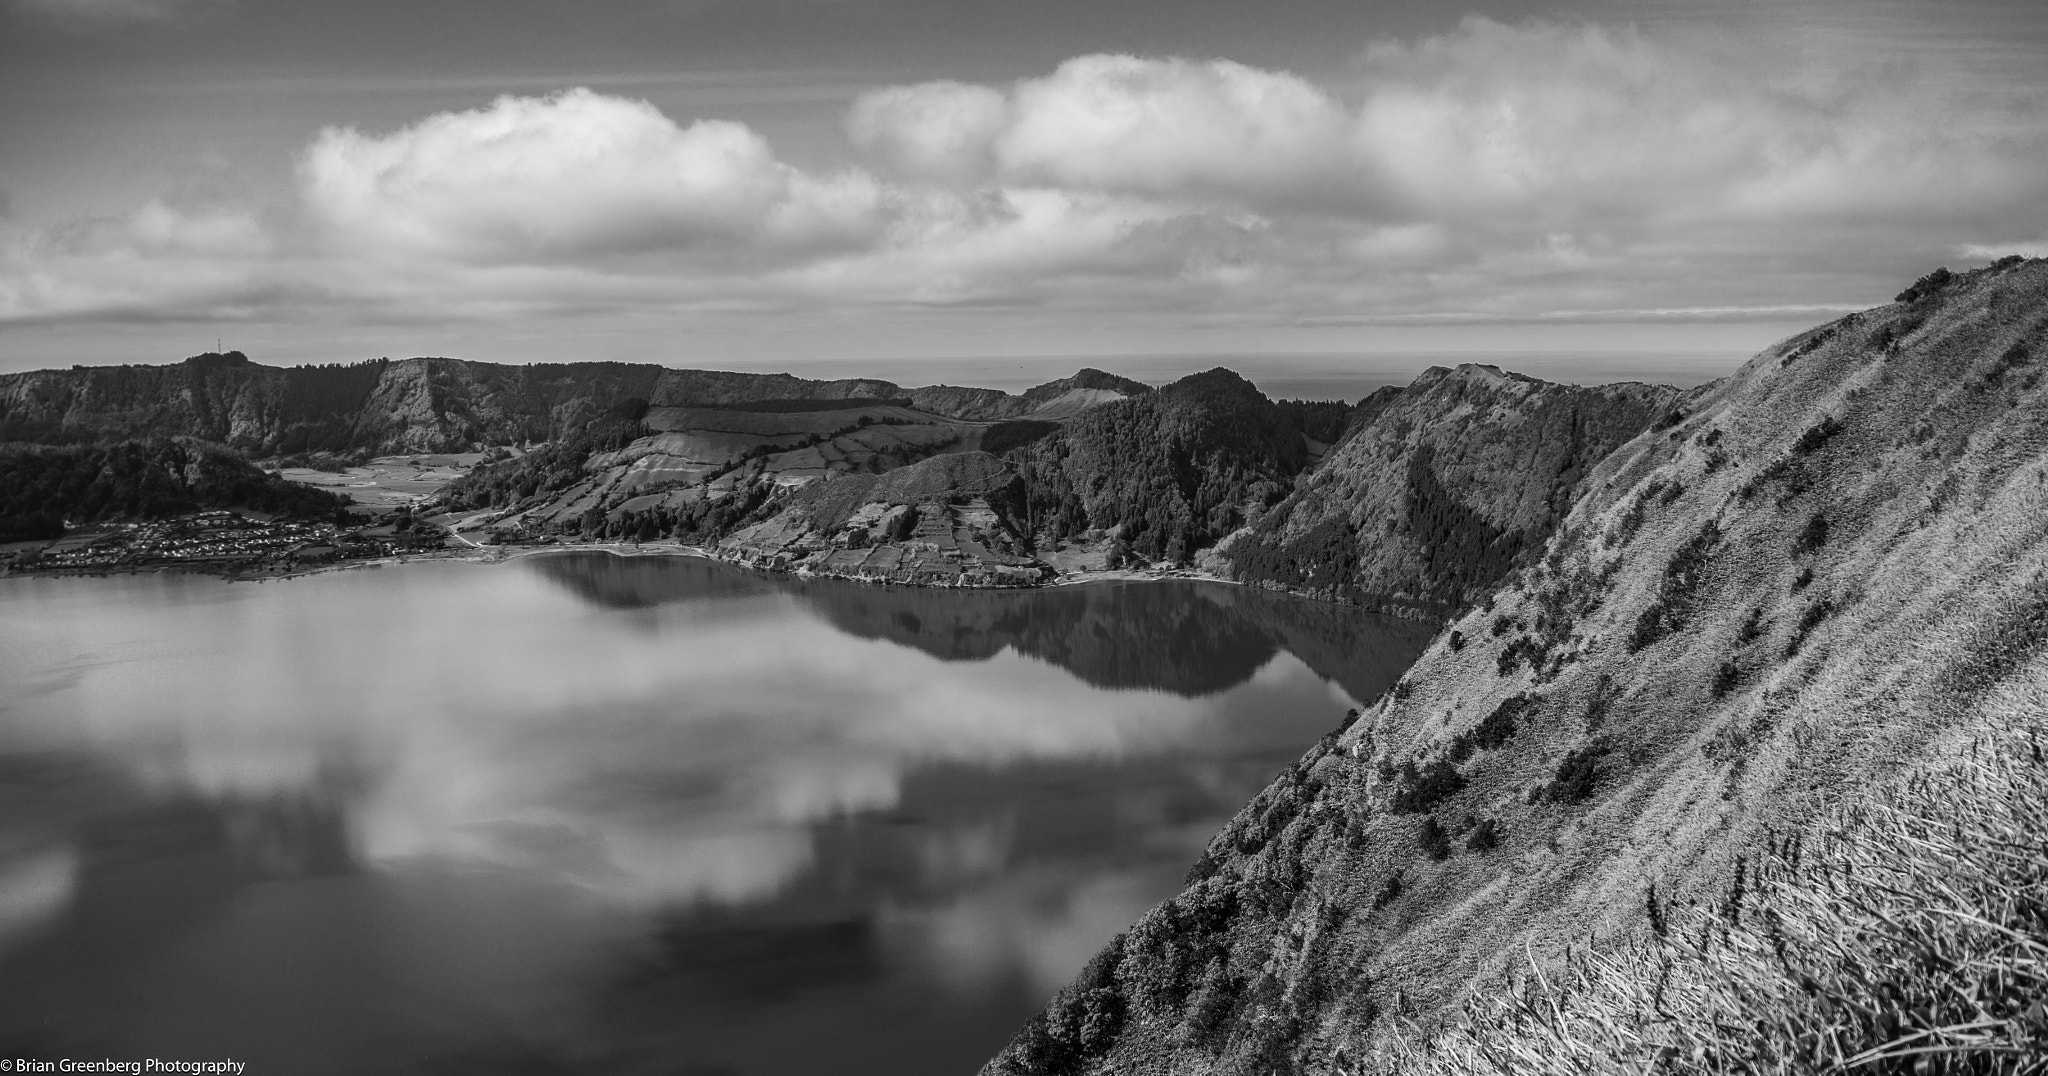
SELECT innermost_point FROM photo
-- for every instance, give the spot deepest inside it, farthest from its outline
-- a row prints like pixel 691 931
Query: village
pixel 221 541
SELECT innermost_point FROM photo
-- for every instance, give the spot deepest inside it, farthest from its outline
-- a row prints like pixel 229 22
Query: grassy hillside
pixel 1825 577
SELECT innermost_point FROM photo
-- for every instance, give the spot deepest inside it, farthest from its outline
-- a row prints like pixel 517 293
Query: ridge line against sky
pixel 793 180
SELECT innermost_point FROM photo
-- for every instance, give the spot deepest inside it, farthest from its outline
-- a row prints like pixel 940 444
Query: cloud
pixel 93 12
pixel 1113 123
pixel 573 176
pixel 1504 173
pixel 942 131
pixel 158 260
pixel 1551 128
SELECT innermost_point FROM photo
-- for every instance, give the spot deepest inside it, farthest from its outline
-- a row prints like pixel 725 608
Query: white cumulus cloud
pixel 1493 172
pixel 572 176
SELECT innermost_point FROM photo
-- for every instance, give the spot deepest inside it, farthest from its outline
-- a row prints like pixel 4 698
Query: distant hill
pixel 1741 771
pixel 1167 473
pixel 421 405
pixel 1441 487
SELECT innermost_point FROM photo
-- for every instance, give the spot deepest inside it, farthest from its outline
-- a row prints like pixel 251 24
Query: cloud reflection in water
pixel 714 755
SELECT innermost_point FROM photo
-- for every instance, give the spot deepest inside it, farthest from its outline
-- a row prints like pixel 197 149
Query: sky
pixel 923 187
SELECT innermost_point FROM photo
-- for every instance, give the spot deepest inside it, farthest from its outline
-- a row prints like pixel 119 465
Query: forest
pixel 1170 471
pixel 552 467
pixel 41 487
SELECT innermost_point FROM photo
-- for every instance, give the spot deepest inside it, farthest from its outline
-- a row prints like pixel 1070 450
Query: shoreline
pixel 475 554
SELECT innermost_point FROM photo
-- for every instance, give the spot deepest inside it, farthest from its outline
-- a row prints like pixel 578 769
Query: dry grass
pixel 1907 934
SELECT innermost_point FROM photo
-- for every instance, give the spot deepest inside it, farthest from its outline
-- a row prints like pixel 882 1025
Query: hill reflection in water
pixel 1190 638
pixel 588 813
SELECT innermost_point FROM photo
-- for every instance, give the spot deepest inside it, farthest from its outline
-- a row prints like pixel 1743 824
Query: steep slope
pixel 1809 585
pixel 1440 488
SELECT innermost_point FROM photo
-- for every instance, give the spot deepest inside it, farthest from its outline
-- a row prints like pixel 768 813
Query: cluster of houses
pixel 215 540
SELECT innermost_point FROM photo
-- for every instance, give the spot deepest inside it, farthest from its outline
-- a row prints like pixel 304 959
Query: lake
pixel 580 813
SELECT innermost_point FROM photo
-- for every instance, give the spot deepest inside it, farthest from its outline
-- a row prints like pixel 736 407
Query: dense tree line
pixel 320 405
pixel 550 468
pixel 1325 420
pixel 1323 560
pixel 1172 471
pixel 1463 552
pixel 1016 433
pixel 700 522
pixel 41 486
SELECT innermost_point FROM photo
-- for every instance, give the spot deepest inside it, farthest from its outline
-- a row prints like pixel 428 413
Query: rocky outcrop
pixel 1441 488
pixel 1822 573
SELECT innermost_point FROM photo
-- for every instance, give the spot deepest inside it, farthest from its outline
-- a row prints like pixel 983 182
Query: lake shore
pixel 475 554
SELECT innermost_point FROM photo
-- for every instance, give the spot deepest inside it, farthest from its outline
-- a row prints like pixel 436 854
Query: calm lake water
pixel 585 813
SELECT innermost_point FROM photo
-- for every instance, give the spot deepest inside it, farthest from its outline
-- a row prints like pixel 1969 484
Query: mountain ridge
pixel 425 404
pixel 1813 581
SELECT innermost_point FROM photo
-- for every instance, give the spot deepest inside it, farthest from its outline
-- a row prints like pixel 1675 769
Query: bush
pixel 1926 285
pixel 1390 891
pixel 1752 628
pixel 1649 627
pixel 1816 436
pixel 1493 730
pixel 1814 535
pixel 1484 837
pixel 1603 697
pixel 1809 620
pixel 1522 650
pixel 1671 607
pixel 1457 641
pixel 1422 789
pixel 1436 844
pixel 1577 774
pixel 1725 679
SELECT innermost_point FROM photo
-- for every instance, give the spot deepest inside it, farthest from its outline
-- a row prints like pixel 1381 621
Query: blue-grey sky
pixel 803 183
